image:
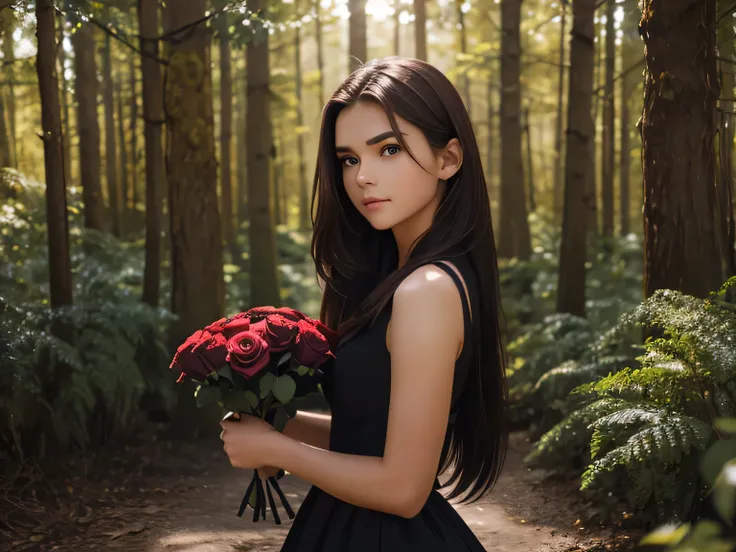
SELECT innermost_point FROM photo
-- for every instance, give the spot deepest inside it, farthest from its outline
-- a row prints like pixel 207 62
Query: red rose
pixel 247 353
pixel 311 348
pixel 257 313
pixel 288 313
pixel 201 354
pixel 279 332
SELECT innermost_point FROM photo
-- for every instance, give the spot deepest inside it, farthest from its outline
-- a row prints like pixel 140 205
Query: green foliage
pixel 641 427
pixel 91 381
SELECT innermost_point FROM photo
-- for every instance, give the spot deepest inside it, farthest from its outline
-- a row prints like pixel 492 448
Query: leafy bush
pixel 552 353
pixel 641 429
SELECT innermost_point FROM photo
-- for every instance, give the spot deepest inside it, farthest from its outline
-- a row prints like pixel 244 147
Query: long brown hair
pixel 358 263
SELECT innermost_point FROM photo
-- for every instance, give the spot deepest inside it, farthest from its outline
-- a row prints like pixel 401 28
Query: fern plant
pixel 641 453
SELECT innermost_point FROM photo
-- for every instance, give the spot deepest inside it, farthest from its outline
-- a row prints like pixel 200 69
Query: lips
pixel 373 200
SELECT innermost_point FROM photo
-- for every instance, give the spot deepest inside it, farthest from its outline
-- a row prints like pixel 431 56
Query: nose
pixel 364 176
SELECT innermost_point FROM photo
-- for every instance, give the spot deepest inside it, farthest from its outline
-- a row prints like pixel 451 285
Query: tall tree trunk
pixel 358 37
pixel 491 116
pixel 514 238
pixel 625 164
pixel 320 53
pixel 725 148
pixel 264 284
pixel 88 127
pixel 529 162
pixel 463 47
pixel 609 125
pixel 226 116
pixel 131 195
pixel 57 227
pixel 630 53
pixel 557 189
pixel 8 17
pixel 593 184
pixel 64 95
pixel 153 116
pixel 242 150
pixel 6 158
pixel 397 28
pixel 123 155
pixel 580 134
pixel 60 272
pixel 196 233
pixel 277 185
pixel 420 29
pixel 678 127
pixel 111 164
pixel 305 217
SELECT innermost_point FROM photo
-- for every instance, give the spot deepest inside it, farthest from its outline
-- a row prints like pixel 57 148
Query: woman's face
pixel 382 180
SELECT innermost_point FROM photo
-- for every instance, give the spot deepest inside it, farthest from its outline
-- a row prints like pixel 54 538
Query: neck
pixel 407 232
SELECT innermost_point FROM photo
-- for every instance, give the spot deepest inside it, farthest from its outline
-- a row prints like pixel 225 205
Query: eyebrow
pixel 371 141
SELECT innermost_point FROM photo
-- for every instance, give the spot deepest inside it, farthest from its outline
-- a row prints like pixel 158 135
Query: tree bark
pixel 242 150
pixel 153 115
pixel 6 158
pixel 609 125
pixel 278 195
pixel 131 196
pixel 463 47
pixel 305 217
pixel 195 230
pixel 514 238
pixel 420 29
pixel 88 127
pixel 65 117
pixel 60 272
pixel 320 53
pixel 397 28
pixel 123 188
pixel 8 17
pixel 264 285
pixel 557 186
pixel 358 39
pixel 678 126
pixel 630 52
pixel 529 162
pixel 727 53
pixel 111 164
pixel 580 134
pixel 226 116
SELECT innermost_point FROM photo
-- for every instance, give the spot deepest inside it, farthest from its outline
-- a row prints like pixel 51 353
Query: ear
pixel 451 159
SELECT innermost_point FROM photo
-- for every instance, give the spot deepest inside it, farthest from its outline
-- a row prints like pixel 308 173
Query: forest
pixel 157 160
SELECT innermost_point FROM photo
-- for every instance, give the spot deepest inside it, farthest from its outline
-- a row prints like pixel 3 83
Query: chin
pixel 381 223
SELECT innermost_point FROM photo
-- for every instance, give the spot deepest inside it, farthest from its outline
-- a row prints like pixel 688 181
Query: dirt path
pixel 166 498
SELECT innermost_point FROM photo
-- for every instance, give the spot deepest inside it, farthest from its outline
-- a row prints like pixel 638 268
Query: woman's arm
pixel 310 428
pixel 425 333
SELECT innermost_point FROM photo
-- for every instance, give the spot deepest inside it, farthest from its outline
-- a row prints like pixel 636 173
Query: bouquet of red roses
pixel 261 363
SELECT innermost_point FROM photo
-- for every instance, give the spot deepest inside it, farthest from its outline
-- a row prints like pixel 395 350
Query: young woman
pixel 404 244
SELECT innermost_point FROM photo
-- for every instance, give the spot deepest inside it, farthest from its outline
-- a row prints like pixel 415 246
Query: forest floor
pixel 154 495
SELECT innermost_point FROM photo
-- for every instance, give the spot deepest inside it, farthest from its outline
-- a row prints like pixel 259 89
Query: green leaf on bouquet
pixel 302 370
pixel 266 384
pixel 280 419
pixel 284 388
pixel 290 409
pixel 226 372
pixel 250 396
pixel 207 394
pixel 238 402
pixel 285 358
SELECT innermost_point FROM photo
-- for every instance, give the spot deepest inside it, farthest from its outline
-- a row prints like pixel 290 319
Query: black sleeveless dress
pixel 357 387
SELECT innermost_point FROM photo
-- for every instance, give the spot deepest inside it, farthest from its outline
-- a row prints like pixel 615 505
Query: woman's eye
pixel 348 161
pixel 392 150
